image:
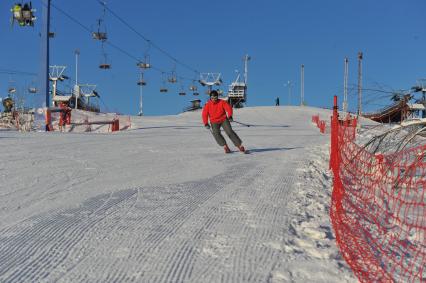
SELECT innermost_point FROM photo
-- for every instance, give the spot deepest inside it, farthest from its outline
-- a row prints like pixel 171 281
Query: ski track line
pixel 209 184
pixel 172 219
pixel 49 190
pixel 38 252
pixel 171 270
pixel 113 229
pixel 186 252
pixel 179 276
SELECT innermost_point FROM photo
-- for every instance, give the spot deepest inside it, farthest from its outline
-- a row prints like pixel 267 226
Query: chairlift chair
pixel 23 14
pixel 144 64
pixel 163 88
pixel 141 83
pixel 172 78
pixel 32 90
pixel 195 93
pixel 105 65
pixel 99 34
pixel 102 36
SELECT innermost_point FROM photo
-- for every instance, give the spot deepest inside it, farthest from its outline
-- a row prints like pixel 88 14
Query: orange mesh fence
pixel 378 208
pixel 321 124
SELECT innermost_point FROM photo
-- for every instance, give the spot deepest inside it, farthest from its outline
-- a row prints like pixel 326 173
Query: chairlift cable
pixel 148 40
pixel 108 41
pixel 16 72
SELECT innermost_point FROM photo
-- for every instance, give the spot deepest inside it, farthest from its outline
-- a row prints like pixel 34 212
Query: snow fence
pixel 74 120
pixel 378 207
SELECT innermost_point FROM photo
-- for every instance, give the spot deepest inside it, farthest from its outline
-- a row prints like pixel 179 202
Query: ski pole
pixel 247 125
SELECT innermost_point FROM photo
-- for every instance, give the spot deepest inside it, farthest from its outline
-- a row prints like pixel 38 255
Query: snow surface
pixel 161 202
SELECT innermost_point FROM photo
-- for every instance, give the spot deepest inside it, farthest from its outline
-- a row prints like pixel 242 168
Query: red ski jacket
pixel 216 111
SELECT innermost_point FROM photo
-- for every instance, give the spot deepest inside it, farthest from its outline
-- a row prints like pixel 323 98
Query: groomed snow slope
pixel 163 203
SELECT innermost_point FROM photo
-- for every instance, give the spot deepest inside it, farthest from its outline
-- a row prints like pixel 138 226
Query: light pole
pixel 289 84
pixel 44 75
pixel 360 55
pixel 76 87
pixel 302 85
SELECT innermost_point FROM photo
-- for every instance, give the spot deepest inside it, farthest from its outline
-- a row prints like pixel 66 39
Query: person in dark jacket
pixel 219 112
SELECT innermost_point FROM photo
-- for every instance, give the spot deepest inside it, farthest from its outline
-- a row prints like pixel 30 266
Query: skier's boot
pixel 226 148
pixel 242 149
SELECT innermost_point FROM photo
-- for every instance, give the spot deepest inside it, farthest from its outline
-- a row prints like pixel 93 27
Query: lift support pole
pixel 44 70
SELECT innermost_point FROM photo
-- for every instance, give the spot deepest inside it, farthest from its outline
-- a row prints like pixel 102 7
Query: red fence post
pixel 115 125
pixel 334 151
pixel 48 120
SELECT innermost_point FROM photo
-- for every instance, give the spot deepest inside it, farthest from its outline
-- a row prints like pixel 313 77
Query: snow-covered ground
pixel 161 202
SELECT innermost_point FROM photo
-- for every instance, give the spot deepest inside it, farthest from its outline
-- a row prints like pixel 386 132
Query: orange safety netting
pixel 378 208
pixel 320 123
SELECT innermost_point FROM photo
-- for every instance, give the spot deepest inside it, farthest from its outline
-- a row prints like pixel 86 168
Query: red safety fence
pixel 321 124
pixel 70 120
pixel 378 208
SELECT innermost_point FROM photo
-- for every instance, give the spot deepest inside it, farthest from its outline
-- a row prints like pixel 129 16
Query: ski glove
pixel 231 119
pixel 207 126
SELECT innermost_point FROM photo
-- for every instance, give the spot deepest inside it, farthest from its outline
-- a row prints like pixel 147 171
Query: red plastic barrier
pixel 320 123
pixel 115 125
pixel 378 208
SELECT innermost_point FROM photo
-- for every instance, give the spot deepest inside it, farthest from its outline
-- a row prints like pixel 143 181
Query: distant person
pixel 277 101
pixel 219 112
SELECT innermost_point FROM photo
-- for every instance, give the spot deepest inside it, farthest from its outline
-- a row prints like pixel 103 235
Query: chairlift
pixel 193 87
pixel 145 63
pixel 195 93
pixel 141 82
pixel 104 65
pixel 102 36
pixel 182 90
pixel 172 78
pixel 23 14
pixel 101 33
pixel 163 88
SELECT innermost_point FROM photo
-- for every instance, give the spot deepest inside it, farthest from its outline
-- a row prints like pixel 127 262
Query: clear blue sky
pixel 213 36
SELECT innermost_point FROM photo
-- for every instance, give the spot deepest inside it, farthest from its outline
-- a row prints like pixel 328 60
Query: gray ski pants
pixel 228 130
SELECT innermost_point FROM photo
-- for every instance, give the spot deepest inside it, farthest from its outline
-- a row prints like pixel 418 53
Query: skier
pixel 216 110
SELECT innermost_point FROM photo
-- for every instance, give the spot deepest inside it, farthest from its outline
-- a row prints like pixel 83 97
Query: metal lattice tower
pixel 210 79
pixel 55 74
